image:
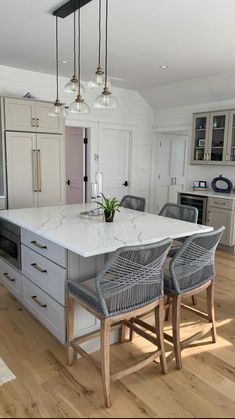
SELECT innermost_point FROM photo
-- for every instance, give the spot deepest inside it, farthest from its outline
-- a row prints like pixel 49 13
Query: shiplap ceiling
pixel 196 38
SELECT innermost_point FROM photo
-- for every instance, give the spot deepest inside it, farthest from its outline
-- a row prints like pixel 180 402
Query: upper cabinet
pixel 214 138
pixel 31 116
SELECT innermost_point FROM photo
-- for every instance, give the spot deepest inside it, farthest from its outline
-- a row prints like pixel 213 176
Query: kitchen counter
pixel 63 225
pixel 210 193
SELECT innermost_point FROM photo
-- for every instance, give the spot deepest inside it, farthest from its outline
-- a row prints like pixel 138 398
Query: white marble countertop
pixel 210 193
pixel 63 226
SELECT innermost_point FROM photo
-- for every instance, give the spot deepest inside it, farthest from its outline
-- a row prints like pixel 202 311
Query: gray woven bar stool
pixel 183 213
pixel 130 284
pixel 191 271
pixel 133 202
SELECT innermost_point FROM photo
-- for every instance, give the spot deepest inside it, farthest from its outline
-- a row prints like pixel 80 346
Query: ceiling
pixel 195 38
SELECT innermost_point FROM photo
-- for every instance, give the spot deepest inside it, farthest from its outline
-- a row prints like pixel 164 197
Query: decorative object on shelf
pixel 109 206
pixel 79 106
pixel 201 142
pixel 106 100
pixel 199 185
pixel 97 80
pixel 59 109
pixel 29 96
pixel 221 184
pixel 72 85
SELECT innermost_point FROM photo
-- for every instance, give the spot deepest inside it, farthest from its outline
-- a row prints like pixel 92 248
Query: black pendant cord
pixel 79 52
pixel 99 58
pixel 57 59
pixel 74 47
pixel 106 45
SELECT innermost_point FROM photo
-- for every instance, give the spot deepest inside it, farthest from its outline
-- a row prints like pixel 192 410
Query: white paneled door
pixel 75 164
pixel 170 168
pixel 114 154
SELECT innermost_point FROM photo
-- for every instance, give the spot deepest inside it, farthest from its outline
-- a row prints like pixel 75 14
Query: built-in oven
pixel 10 243
pixel 197 201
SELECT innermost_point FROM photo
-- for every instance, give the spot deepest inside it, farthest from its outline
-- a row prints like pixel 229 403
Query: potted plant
pixel 109 205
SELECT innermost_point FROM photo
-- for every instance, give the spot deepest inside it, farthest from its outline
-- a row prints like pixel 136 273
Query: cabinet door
pixel 21 169
pixel 201 126
pixel 216 218
pixel 51 169
pixel 230 156
pixel 20 115
pixel 46 123
pixel 218 137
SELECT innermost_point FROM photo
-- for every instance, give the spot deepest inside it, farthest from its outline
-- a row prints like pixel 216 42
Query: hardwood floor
pixel 46 388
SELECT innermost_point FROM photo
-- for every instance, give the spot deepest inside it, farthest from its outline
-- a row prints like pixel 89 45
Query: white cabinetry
pixel 35 169
pixel 31 116
pixel 221 212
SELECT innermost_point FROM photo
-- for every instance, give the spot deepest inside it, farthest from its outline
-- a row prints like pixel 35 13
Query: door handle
pixel 35 299
pixel 37 123
pixel 39 171
pixel 40 246
pixel 126 183
pixel 68 182
pixel 41 270
pixel 33 122
pixel 35 189
pixel 7 276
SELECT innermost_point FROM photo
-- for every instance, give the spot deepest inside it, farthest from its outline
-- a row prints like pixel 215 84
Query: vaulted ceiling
pixel 195 38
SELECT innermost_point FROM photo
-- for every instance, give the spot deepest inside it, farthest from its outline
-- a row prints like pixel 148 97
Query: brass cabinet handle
pixel 33 122
pixel 208 157
pixel 40 246
pixel 7 276
pixel 41 270
pixel 35 299
pixel 38 123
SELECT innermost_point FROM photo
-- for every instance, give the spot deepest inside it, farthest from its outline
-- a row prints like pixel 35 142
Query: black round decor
pixel 228 184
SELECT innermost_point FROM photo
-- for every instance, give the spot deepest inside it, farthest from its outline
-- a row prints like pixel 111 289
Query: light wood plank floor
pixel 47 388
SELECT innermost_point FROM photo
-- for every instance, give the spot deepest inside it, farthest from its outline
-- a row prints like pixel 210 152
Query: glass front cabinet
pixel 214 138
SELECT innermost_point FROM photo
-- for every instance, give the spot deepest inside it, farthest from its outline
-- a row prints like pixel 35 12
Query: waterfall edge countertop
pixel 64 226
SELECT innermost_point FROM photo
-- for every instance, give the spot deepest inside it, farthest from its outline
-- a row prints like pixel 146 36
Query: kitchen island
pixel 57 245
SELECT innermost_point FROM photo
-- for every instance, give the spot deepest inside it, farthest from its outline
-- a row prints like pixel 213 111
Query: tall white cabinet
pixel 35 154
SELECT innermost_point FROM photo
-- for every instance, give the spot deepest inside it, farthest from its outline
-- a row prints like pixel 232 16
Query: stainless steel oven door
pixel 10 243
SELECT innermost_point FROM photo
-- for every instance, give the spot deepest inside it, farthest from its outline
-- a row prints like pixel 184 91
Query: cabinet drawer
pixel 221 203
pixel 48 276
pixel 46 248
pixel 11 279
pixel 45 309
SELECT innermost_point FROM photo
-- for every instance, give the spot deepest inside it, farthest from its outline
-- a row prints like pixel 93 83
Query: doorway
pixel 76 165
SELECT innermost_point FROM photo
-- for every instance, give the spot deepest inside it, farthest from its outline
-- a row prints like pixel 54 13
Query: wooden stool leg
pixel 211 309
pixel 167 310
pixel 70 328
pixel 105 353
pixel 132 333
pixel 176 309
pixel 159 314
pixel 194 300
pixel 122 333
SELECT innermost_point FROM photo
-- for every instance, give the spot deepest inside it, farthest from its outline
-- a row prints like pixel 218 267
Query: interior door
pixel 75 164
pixel 170 168
pixel 51 179
pixel 21 169
pixel 114 149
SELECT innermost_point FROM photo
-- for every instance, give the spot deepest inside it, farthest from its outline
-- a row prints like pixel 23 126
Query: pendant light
pixel 106 100
pixel 59 109
pixel 79 105
pixel 72 85
pixel 98 79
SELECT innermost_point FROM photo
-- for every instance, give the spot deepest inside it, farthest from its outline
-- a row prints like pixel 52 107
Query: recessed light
pixel 164 66
pixel 64 61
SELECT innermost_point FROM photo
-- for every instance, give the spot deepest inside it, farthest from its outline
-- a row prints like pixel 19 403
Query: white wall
pixel 133 114
pixel 180 119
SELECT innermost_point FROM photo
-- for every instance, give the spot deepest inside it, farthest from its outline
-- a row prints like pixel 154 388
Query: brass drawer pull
pixel 35 299
pixel 7 276
pixel 35 266
pixel 40 246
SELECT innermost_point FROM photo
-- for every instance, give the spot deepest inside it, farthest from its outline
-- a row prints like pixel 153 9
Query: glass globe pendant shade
pixel 106 100
pixel 79 106
pixel 98 79
pixel 72 86
pixel 59 110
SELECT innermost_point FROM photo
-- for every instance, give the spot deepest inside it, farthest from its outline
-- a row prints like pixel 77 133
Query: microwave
pixel 10 243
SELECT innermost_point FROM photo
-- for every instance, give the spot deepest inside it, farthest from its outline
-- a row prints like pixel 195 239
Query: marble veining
pixel 63 226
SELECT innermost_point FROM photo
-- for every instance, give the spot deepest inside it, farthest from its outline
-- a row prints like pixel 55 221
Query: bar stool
pixel 133 202
pixel 130 284
pixel 191 271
